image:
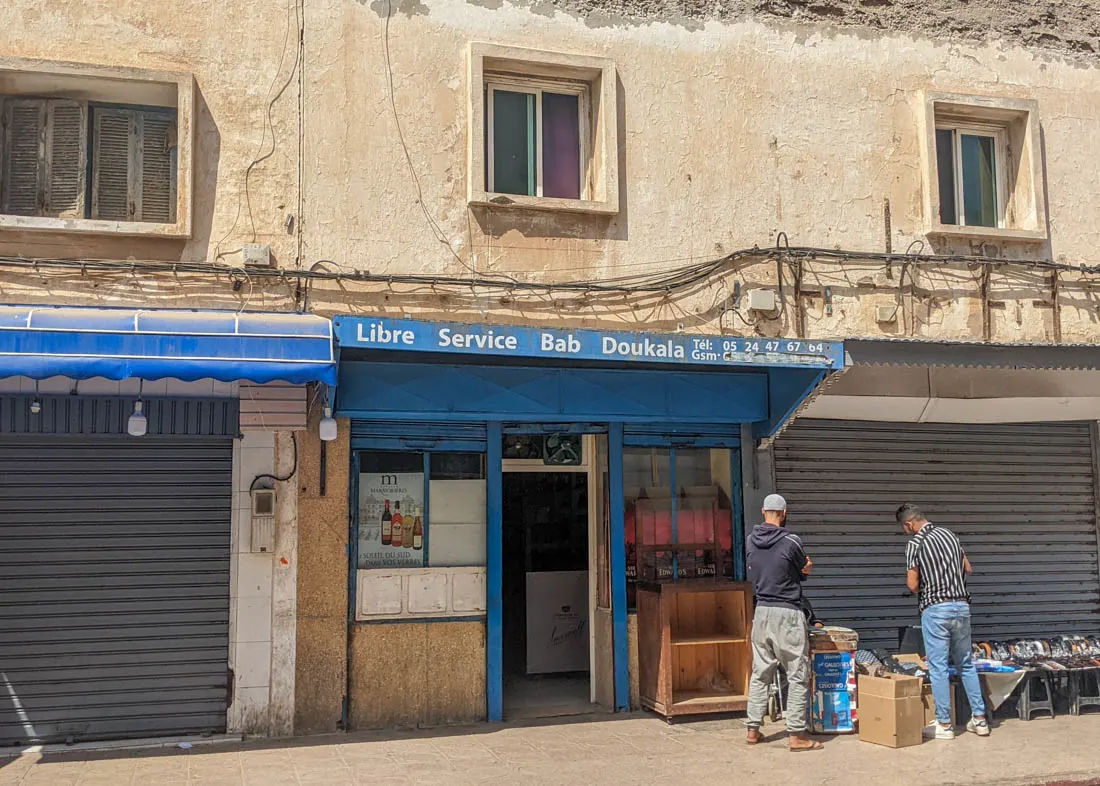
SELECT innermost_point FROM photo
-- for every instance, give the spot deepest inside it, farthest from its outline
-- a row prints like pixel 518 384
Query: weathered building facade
pixel 816 173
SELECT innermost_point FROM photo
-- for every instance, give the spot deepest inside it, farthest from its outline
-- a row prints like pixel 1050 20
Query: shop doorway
pixel 547 627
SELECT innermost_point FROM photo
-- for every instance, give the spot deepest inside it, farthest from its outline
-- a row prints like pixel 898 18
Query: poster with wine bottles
pixel 392 520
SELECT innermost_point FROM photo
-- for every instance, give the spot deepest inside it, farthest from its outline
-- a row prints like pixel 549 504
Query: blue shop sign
pixel 614 346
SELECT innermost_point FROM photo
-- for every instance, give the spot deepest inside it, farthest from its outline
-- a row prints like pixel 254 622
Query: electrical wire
pixel 437 231
pixel 665 281
pixel 269 123
pixel 277 478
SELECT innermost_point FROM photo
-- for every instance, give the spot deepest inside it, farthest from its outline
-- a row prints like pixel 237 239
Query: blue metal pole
pixel 738 516
pixel 494 579
pixel 618 567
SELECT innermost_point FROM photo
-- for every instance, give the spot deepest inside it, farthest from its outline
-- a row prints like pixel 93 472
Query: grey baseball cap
pixel 774 502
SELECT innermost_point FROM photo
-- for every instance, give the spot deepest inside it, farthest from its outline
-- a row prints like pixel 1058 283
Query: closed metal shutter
pixel 690 434
pixel 114 586
pixel 1021 498
pixel 418 434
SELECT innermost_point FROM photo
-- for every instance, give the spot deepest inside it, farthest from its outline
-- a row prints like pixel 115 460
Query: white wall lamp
pixel 327 427
pixel 138 424
pixel 36 405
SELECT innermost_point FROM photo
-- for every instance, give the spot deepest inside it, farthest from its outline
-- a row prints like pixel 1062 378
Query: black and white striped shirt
pixel 938 556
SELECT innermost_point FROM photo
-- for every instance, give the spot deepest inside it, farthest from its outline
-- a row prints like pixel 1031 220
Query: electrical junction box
pixel 257 255
pixel 761 300
pixel 263 521
pixel 886 314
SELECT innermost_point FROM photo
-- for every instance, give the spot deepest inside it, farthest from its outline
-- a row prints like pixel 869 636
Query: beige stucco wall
pixel 731 133
pixel 732 130
pixel 241 53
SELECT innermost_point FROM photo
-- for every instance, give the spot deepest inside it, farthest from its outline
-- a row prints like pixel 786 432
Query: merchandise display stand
pixel 694 646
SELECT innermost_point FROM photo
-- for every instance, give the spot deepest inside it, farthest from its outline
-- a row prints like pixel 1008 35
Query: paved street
pixel 636 749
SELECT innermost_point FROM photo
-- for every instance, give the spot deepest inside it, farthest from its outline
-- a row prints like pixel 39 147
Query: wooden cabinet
pixel 694 646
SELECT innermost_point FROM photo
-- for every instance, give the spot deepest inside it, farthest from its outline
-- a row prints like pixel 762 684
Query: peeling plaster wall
pixel 1067 26
pixel 731 132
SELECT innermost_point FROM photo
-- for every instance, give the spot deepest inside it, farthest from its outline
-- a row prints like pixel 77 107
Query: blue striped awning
pixel 81 343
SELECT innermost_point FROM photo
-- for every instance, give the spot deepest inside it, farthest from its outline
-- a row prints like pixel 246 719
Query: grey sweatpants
pixel 780 637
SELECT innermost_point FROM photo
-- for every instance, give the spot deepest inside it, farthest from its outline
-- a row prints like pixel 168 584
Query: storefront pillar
pixel 618 567
pixel 494 575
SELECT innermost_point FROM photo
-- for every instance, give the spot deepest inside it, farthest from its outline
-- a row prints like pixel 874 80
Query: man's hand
pixel 912 580
pixel 807 567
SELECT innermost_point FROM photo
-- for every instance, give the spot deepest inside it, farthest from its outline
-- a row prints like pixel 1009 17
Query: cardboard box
pixel 930 705
pixel 916 660
pixel 891 711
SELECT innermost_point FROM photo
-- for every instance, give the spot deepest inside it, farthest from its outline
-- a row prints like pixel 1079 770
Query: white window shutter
pixel 112 141
pixel 24 122
pixel 65 153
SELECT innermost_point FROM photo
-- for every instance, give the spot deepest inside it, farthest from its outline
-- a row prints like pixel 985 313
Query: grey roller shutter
pixel 418 435
pixel 114 586
pixel 1021 498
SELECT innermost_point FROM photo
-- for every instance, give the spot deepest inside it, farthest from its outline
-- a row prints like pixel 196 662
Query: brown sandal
pixel 754 737
pixel 810 745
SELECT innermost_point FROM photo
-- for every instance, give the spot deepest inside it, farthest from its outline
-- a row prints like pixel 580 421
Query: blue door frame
pixel 494 579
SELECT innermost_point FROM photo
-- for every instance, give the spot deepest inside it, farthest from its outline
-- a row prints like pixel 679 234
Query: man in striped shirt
pixel 937 570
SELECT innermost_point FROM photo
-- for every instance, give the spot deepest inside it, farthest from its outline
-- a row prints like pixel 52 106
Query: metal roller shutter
pixel 1021 498
pixel 114 586
pixel 418 434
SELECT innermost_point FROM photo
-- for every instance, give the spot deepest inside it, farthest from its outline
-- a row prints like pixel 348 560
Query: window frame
pixel 536 87
pixel 600 156
pixel 425 454
pixel 1022 211
pixel 133 87
pixel 1000 173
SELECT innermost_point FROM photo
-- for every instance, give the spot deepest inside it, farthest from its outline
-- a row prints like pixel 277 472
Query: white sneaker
pixel 946 732
pixel 979 726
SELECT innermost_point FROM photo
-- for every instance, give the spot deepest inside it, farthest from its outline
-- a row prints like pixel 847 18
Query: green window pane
pixel 513 143
pixel 979 182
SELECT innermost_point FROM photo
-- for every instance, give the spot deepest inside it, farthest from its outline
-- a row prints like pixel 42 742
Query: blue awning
pixel 81 343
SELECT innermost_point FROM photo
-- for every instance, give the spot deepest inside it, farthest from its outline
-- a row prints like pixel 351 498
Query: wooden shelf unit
pixel 691 636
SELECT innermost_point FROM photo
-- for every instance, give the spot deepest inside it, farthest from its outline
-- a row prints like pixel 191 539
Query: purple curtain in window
pixel 561 148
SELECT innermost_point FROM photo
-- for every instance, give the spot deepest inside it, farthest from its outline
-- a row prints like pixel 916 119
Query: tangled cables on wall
pixel 666 280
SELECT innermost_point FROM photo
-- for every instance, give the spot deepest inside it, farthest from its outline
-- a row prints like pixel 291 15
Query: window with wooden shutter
pixel 133 163
pixel 44 158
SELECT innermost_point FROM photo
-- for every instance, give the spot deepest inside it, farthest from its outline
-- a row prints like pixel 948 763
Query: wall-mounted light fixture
pixel 327 427
pixel 138 424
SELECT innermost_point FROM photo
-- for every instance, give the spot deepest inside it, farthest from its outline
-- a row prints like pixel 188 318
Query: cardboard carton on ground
pixel 891 712
pixel 929 703
pixel 926 691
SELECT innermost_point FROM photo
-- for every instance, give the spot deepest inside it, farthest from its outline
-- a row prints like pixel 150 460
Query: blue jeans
pixel 946 630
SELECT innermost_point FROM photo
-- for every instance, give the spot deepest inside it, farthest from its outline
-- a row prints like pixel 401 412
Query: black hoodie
pixel 775 560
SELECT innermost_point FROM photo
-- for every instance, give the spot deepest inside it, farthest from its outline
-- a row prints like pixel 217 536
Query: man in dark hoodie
pixel 780 631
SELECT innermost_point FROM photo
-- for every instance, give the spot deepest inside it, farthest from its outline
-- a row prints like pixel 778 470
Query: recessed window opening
pixel 536 137
pixel 61 158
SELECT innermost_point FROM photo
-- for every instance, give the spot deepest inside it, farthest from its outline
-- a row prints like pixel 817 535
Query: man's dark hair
pixel 909 512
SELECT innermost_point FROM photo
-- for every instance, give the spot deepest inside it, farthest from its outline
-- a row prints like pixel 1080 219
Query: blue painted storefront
pixel 449 386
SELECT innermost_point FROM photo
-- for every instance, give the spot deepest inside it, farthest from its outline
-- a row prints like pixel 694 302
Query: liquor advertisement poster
pixel 391 520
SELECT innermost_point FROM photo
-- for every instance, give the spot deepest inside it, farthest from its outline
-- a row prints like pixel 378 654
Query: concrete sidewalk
pixel 632 749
